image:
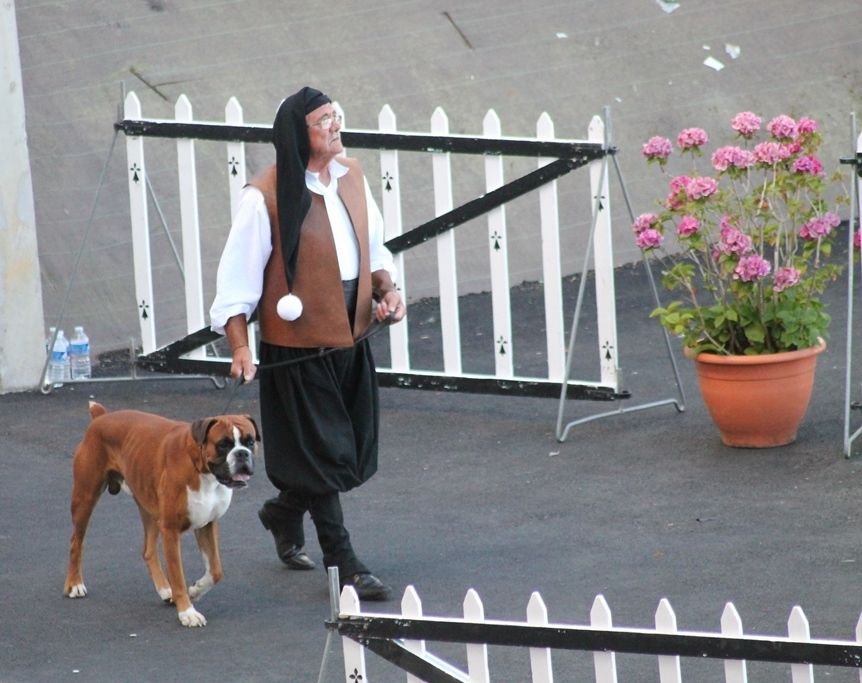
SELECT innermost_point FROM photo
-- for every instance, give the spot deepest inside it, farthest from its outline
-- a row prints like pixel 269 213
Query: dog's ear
pixel 256 428
pixel 200 429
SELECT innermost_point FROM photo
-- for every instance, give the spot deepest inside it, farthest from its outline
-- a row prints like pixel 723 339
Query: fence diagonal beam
pixel 635 641
pixel 427 667
pixel 485 203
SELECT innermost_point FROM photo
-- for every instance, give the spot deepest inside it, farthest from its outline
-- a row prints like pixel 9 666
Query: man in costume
pixel 306 250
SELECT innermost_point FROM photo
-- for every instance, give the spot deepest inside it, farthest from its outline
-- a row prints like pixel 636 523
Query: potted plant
pixel 745 240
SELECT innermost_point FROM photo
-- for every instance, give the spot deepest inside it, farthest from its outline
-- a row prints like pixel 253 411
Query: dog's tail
pixel 97 409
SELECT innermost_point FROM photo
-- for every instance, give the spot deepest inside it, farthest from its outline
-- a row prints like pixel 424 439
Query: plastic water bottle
pixel 59 363
pixel 79 355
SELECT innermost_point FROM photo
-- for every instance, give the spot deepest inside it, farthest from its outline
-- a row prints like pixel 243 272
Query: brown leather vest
pixel 324 320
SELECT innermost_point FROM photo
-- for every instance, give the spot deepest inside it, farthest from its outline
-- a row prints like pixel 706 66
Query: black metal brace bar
pixel 410 142
pixel 752 648
pixel 409 662
pixel 495 385
pixel 169 360
pixel 854 161
pixel 485 203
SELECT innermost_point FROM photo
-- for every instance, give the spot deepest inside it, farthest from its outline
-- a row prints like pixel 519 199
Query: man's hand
pixel 390 306
pixel 242 364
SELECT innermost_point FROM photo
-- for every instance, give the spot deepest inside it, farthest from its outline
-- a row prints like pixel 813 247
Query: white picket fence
pixel 390 177
pixel 401 639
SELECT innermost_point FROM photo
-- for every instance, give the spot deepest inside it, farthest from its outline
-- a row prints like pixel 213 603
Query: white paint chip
pixel 562 35
pixel 732 50
pixel 713 63
pixel 667 7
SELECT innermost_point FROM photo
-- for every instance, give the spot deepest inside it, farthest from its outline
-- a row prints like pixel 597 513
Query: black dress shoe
pixel 367 586
pixel 288 552
pixel 293 556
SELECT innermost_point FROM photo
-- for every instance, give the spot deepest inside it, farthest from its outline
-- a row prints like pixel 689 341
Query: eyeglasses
pixel 327 121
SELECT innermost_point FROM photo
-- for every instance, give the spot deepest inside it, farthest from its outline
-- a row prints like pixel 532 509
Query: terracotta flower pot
pixel 757 401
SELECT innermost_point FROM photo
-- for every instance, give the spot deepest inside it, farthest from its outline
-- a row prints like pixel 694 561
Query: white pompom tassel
pixel 289 307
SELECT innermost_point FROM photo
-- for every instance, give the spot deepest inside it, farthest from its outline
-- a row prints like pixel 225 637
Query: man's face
pixel 324 134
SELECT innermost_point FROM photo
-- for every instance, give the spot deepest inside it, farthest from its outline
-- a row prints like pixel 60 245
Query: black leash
pixel 375 327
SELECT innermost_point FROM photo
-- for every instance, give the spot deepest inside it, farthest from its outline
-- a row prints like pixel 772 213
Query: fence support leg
pixel 679 403
pixel 855 177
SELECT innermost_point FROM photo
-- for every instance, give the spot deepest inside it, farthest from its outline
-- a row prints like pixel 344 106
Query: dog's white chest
pixel 209 502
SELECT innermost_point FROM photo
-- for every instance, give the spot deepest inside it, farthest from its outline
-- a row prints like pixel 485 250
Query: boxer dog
pixel 181 475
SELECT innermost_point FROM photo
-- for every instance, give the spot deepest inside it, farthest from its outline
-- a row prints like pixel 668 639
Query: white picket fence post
pixel 797 629
pixel 390 181
pixel 236 169
pixel 735 670
pixel 665 622
pixel 411 606
pixel 604 263
pixel 354 653
pixel 236 178
pixel 139 214
pixel 498 251
pixel 190 222
pixel 605 663
pixel 477 654
pixel 552 277
pixel 447 271
pixel 540 658
pixel 858 631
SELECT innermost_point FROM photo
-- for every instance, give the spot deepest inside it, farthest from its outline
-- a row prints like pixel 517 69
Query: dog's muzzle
pixel 236 469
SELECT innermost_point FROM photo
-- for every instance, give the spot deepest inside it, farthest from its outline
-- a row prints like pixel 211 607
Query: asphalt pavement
pixel 474 491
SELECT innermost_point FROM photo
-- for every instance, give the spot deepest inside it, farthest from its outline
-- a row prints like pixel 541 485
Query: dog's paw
pixel 191 618
pixel 201 587
pixel 79 590
pixel 165 594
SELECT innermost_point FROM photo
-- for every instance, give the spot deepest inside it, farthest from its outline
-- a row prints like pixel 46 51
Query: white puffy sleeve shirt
pixel 239 282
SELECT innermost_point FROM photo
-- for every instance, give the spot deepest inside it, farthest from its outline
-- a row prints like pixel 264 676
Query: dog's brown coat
pixel 160 461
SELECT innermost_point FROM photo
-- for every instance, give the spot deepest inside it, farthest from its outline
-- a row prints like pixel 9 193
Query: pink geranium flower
pixel 745 123
pixel 644 222
pixel 782 127
pixel 751 268
pixel 785 278
pixel 678 194
pixel 857 239
pixel 733 241
pixel 688 226
pixel 731 157
pixel 701 187
pixel 692 138
pixel 806 126
pixel 649 239
pixel 771 153
pixel 744 159
pixel 819 226
pixel 722 158
pixel 657 149
pixel 809 164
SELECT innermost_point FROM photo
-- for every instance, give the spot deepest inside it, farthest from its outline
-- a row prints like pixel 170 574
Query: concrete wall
pixel 21 336
pixel 520 58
